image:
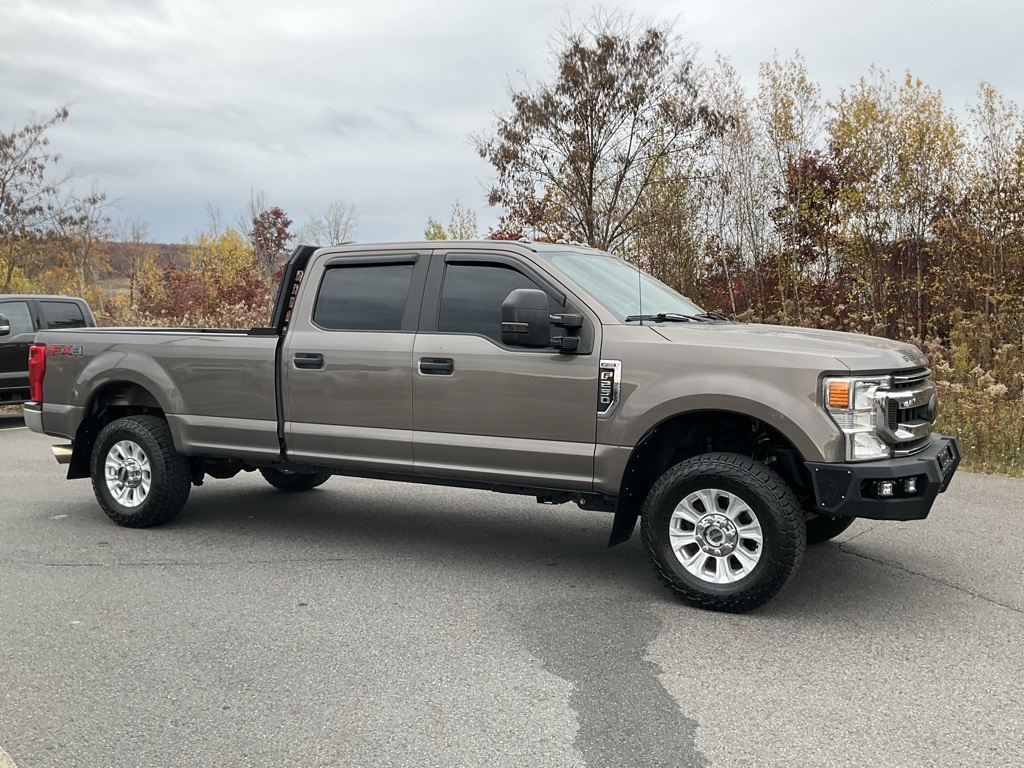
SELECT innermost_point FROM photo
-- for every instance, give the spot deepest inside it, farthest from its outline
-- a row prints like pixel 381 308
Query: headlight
pixel 851 402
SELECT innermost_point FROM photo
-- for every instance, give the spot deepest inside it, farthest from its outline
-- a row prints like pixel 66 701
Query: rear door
pixel 347 363
pixel 14 349
pixel 485 410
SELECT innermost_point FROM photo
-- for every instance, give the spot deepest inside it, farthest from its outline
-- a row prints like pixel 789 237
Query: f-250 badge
pixel 609 380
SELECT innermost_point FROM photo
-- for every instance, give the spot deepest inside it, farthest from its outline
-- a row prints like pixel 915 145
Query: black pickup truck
pixel 22 315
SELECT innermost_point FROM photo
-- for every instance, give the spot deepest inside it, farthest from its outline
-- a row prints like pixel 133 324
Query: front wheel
pixel 137 476
pixel 724 532
pixel 285 480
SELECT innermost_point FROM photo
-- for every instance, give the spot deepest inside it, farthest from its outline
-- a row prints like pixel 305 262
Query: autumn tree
pixel 461 225
pixel 28 195
pixel 134 252
pixel 82 229
pixel 270 235
pixel 626 96
pixel 334 226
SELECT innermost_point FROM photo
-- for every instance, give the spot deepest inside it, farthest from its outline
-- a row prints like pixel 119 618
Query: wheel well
pixel 691 434
pixel 110 402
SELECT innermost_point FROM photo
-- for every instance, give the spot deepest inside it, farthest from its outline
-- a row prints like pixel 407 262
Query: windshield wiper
pixel 666 317
pixel 716 316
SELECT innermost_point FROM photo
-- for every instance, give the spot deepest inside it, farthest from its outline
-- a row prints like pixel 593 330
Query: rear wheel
pixel 724 532
pixel 137 476
pixel 286 480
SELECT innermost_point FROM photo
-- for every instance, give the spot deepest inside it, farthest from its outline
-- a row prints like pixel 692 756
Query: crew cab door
pixel 347 362
pixel 485 410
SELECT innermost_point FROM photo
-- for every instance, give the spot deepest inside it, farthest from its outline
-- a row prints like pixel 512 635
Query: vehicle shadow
pixel 12 420
pixel 384 521
pixel 389 521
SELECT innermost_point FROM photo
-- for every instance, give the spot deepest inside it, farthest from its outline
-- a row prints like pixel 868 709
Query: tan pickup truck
pixel 553 370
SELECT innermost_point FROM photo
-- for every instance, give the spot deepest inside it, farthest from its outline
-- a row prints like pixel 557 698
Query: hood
pixel 856 351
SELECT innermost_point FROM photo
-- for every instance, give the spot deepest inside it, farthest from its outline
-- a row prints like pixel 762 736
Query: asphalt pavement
pixel 375 624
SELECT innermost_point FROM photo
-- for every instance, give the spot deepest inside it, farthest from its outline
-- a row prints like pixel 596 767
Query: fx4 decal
pixel 65 350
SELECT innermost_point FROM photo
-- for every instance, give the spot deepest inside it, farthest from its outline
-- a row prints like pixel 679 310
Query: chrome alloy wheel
pixel 716 536
pixel 128 473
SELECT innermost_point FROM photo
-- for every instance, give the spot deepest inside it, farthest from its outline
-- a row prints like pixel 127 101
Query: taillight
pixel 36 371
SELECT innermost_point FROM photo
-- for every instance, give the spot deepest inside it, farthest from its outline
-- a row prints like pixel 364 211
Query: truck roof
pixel 531 245
pixel 40 296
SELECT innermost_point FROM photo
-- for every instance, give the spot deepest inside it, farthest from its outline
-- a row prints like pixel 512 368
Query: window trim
pixel 413 298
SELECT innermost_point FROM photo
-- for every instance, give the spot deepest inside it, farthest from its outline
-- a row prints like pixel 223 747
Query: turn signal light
pixel 839 394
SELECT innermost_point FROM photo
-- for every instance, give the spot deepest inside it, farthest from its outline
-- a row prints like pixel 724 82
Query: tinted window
pixel 17 312
pixel 363 298
pixel 63 314
pixel 472 296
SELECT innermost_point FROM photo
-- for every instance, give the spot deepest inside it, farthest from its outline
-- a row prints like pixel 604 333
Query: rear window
pixel 363 297
pixel 63 314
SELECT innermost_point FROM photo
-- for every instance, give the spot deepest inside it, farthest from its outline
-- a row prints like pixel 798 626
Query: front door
pixel 485 410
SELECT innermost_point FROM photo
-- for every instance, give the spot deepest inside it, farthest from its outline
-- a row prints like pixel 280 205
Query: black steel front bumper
pixel 850 490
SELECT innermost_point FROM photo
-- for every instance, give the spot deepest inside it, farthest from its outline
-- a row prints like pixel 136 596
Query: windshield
pixel 620 286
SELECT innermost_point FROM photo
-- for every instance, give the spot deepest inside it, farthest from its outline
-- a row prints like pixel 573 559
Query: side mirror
pixel 526 319
pixel 5 325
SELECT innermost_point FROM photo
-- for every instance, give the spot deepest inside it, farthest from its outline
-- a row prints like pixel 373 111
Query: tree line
pixel 878 209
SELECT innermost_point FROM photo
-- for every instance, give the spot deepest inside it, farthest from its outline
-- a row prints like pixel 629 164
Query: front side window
pixel 62 314
pixel 472 296
pixel 370 297
pixel 19 316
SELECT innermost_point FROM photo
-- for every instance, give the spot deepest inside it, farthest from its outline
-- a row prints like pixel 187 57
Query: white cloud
pixel 180 102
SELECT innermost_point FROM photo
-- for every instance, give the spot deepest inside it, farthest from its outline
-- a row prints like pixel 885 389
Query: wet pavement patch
pixel 625 715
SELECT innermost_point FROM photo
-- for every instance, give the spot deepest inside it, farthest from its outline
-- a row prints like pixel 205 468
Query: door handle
pixel 437 366
pixel 313 361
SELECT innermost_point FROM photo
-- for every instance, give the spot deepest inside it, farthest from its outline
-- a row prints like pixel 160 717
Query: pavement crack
pixel 861 533
pixel 928 577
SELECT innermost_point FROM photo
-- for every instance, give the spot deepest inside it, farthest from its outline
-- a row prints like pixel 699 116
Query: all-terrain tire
pixel 821 528
pixel 723 503
pixel 137 476
pixel 294 481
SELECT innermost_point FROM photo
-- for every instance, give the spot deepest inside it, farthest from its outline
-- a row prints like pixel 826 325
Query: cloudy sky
pixel 176 103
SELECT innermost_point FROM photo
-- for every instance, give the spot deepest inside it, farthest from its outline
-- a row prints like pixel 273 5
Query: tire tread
pixel 168 496
pixel 774 492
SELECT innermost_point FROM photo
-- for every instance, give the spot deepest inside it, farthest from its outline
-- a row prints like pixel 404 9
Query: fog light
pixel 884 488
pixel 910 485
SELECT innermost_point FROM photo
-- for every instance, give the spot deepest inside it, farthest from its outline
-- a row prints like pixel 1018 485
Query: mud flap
pixel 626 514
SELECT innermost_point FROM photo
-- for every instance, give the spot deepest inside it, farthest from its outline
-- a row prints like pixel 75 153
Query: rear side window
pixel 63 314
pixel 18 313
pixel 363 297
